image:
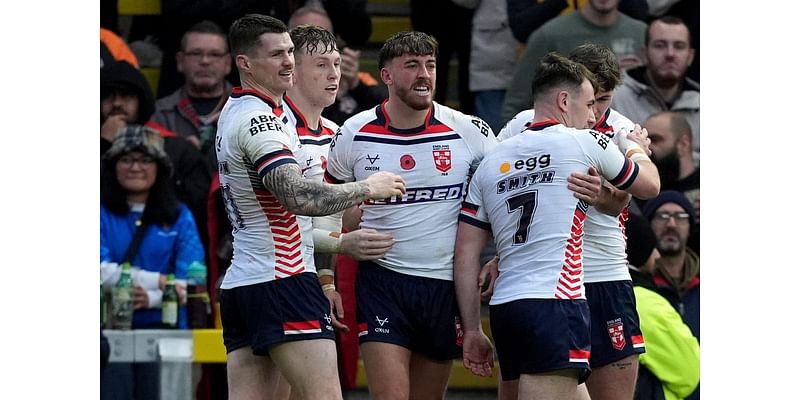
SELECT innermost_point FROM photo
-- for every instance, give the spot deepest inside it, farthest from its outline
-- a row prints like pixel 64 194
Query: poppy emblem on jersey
pixel 442 160
pixel 616 333
pixel 407 162
pixel 324 162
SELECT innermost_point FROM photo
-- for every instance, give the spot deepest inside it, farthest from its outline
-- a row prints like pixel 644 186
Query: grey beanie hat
pixel 141 138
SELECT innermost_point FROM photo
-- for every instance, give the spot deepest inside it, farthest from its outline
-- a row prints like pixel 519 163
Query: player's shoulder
pixel 524 116
pixel 256 119
pixel 590 138
pixel 468 126
pixel 357 121
pixel 516 125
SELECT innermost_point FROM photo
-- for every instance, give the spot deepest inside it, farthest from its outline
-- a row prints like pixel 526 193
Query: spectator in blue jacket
pixel 136 190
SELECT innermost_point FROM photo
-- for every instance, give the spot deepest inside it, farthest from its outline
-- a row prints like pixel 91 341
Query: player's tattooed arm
pixel 306 197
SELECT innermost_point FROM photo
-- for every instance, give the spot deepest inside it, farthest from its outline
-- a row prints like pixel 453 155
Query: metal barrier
pixel 180 351
pixel 172 349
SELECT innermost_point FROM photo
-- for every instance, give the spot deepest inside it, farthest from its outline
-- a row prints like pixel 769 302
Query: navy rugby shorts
pixel 615 322
pixel 268 313
pixel 418 313
pixel 534 336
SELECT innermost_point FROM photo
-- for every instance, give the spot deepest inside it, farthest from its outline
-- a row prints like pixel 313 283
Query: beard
pixel 669 249
pixel 669 168
pixel 418 103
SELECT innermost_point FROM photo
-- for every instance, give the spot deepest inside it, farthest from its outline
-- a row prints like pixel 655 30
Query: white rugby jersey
pixel 252 139
pixel 314 142
pixel 435 160
pixel 604 255
pixel 520 194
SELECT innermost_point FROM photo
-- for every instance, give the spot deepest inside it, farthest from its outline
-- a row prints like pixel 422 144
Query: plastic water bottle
pixel 198 306
pixel 169 304
pixel 122 300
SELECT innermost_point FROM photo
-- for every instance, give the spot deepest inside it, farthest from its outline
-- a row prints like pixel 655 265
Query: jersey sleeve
pixel 265 140
pixel 606 157
pixel 340 158
pixel 473 211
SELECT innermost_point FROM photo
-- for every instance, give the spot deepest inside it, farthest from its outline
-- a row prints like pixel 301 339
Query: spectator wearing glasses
pixel 126 99
pixel 135 190
pixel 192 110
pixel 677 273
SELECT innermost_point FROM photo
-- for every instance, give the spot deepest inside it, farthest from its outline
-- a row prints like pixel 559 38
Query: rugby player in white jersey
pixel 539 314
pixel 409 330
pixel 275 317
pixel 616 336
pixel 316 80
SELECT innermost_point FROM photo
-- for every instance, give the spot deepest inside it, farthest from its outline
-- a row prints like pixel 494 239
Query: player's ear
pixel 242 62
pixel 562 98
pixel 386 77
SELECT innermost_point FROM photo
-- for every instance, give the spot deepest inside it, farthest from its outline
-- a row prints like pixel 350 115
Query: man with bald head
pixel 671 137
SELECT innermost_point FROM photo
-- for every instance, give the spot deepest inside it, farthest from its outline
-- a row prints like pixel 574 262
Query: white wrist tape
pixel 626 145
pixel 327 242
pixel 639 156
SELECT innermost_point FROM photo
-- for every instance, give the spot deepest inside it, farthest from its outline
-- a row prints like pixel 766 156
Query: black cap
pixel 668 196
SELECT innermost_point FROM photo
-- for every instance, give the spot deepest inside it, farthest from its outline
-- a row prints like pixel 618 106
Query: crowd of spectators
pixel 497 44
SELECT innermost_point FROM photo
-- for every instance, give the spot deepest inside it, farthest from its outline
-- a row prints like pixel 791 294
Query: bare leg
pixel 429 377
pixel 555 385
pixel 310 368
pixel 387 366
pixel 507 390
pixel 583 393
pixel 250 377
pixel 614 381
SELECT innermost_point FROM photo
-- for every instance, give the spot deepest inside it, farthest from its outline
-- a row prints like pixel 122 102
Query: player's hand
pixel 478 353
pixel 337 310
pixel 385 184
pixel 111 125
pixel 366 244
pixel 487 278
pixel 586 187
pixel 634 139
pixel 639 136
